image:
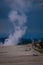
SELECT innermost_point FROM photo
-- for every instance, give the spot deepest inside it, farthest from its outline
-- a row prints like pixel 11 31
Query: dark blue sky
pixel 35 24
pixel 34 20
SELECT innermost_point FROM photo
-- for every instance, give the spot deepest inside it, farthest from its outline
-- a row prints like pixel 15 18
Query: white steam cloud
pixel 18 18
pixel 19 28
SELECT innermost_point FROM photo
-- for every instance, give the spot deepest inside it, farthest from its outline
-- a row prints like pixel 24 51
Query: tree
pixel 41 44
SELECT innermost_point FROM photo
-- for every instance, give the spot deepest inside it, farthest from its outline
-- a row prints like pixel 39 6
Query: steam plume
pixel 18 18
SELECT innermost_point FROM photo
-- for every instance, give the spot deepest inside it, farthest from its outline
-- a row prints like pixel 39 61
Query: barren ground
pixel 19 55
